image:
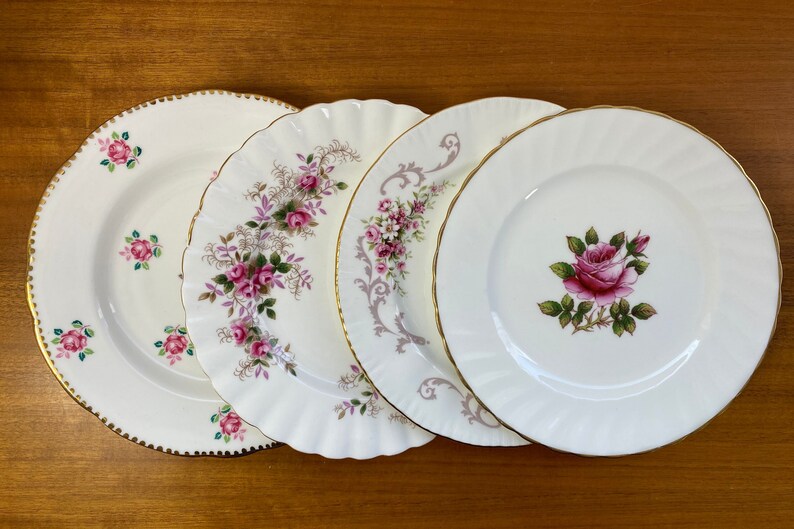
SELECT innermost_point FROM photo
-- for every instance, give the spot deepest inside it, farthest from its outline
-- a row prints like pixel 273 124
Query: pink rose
pixel 384 205
pixel 640 242
pixel 73 341
pixel 401 266
pixel 383 250
pixel 372 234
pixel 308 182
pixel 381 268
pixel 231 423
pixel 248 289
pixel 236 273
pixel 239 333
pixel 141 249
pixel 415 225
pixel 601 275
pixel 399 249
pixel 175 344
pixel 298 218
pixel 119 152
pixel 419 206
pixel 259 349
pixel 264 276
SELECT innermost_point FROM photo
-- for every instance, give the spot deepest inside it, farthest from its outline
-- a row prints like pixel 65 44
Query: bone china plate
pixel 105 263
pixel 385 260
pixel 259 282
pixel 607 281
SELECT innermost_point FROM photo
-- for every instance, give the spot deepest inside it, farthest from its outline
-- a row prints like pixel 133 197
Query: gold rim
pixel 510 138
pixel 70 390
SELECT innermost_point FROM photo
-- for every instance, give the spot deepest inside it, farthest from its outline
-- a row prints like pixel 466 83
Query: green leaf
pixel 310 158
pixel 366 393
pixel 130 163
pixel 567 302
pixel 161 352
pixel 363 409
pixel 88 332
pixel 145 266
pixel 355 402
pixel 617 327
pixel 565 319
pixel 158 343
pixel 261 260
pixel 275 259
pixel 550 308
pixel 157 252
pixel 153 238
pixel 591 237
pixel 341 185
pixel 228 287
pixel 56 340
pixel 214 418
pixel 125 135
pixel 614 310
pixel 58 332
pixel 182 330
pixel 629 324
pixel 227 438
pixel 111 167
pixel 104 162
pixel 88 351
pixel 563 270
pixel 137 266
pixel 137 151
pixel 584 307
pixel 643 311
pixel 221 279
pixel 252 224
pixel 269 302
pixel 81 356
pixel 226 409
pixel 263 225
pixel 618 239
pixel 169 329
pixel 638 265
pixel 190 352
pixel 115 135
pixel 576 245
pixel 77 324
pixel 218 435
pixel 283 268
pixel 136 233
pixel 271 314
pixel 259 310
pixel 128 239
pixel 577 319
pixel 624 306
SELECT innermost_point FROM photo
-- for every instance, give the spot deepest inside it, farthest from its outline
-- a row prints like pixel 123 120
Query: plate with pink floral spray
pixel 607 280
pixel 105 270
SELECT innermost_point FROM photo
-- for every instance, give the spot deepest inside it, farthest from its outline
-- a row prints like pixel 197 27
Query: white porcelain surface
pixel 388 316
pixel 695 323
pixel 105 279
pixel 283 197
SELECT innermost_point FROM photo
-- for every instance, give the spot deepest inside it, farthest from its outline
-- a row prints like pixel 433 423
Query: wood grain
pixel 726 67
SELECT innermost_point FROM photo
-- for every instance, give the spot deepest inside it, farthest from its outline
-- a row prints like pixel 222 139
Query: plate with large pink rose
pixel 607 281
pixel 105 264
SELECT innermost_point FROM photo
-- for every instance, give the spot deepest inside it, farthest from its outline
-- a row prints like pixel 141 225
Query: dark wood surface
pixel 725 67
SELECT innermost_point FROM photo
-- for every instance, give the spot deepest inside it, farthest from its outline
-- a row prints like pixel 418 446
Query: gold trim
pixel 571 111
pixel 70 390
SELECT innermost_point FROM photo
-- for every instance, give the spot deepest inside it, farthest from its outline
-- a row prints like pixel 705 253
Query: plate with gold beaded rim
pixel 105 263
pixel 385 260
pixel 259 282
pixel 622 281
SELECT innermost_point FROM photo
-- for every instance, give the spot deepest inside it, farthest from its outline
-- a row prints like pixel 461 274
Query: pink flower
pixel 383 250
pixel 601 275
pixel 175 344
pixel 248 289
pixel 419 206
pixel 308 182
pixel 298 218
pixel 141 250
pixel 259 349
pixel 384 205
pixel 236 273
pixel 401 266
pixel 119 152
pixel 640 242
pixel 231 423
pixel 399 249
pixel 239 333
pixel 415 225
pixel 73 341
pixel 372 234
pixel 264 276
pixel 381 267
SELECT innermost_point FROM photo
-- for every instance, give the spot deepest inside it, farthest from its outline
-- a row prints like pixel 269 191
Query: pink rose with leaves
pixel 175 344
pixel 119 152
pixel 601 274
pixel 384 205
pixel 73 341
pixel 259 349
pixel 248 289
pixel 308 182
pixel 239 332
pixel 640 242
pixel 372 234
pixel 383 250
pixel 231 423
pixel 298 218
pixel 381 267
pixel 141 250
pixel 264 276
pixel 236 273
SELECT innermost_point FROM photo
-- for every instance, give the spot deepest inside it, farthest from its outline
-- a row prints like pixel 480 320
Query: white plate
pixel 104 279
pixel 385 301
pixel 665 235
pixel 259 278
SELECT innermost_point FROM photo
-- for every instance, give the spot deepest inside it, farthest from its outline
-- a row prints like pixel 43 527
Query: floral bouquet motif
pixel 119 152
pixel 601 277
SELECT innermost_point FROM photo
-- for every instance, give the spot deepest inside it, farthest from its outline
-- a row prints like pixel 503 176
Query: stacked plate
pixel 360 276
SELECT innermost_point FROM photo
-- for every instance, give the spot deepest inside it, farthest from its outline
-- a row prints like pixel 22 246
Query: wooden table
pixel 726 67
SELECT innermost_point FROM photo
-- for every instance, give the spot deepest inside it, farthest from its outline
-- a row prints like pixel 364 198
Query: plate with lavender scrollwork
pixel 259 279
pixel 607 281
pixel 385 257
pixel 105 262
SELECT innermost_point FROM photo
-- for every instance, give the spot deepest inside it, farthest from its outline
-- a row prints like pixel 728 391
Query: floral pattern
pixel 230 425
pixel 119 152
pixel 74 341
pixel 175 344
pixel 255 260
pixel 366 403
pixel 602 276
pixel 142 250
